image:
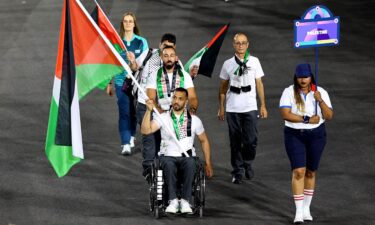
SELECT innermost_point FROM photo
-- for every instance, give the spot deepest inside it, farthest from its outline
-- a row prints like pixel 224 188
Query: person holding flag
pixel 240 76
pixel 185 126
pixel 304 135
pixel 151 62
pixel 135 46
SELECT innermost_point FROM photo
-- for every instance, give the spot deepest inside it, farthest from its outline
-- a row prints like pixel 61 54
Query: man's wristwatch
pixel 306 119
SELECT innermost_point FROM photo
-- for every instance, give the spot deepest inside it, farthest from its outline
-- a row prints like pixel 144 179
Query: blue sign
pixel 318 27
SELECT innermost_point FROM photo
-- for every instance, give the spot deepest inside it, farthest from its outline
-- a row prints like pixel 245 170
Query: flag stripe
pixel 206 67
pixel 92 75
pixel 222 30
pixel 61 157
pixel 63 129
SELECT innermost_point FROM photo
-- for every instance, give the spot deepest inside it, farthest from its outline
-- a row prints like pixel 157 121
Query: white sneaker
pixel 173 207
pixel 307 216
pixel 126 150
pixel 185 207
pixel 298 219
pixel 132 139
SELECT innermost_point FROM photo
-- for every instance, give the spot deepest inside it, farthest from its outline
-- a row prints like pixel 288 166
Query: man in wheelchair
pixel 172 158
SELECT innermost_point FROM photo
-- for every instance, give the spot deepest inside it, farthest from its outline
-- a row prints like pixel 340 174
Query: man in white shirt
pixel 151 143
pixel 165 80
pixel 184 126
pixel 240 76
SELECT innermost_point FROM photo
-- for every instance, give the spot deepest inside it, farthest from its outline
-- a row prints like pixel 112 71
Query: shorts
pixel 305 146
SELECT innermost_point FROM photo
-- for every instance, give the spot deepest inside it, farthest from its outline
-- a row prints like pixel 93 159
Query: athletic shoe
pixel 298 220
pixel 249 174
pixel 237 179
pixel 132 139
pixel 307 216
pixel 185 207
pixel 126 150
pixel 173 207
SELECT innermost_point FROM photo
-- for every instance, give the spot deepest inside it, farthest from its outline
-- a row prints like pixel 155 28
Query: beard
pixel 177 107
pixel 169 65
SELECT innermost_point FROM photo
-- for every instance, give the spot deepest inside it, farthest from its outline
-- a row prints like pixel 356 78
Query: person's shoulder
pixel 230 60
pixel 254 59
pixel 289 89
pixel 322 90
pixel 139 37
pixel 196 118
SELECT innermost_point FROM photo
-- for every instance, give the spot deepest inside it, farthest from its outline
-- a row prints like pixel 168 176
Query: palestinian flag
pixel 206 57
pixel 85 58
pixel 107 28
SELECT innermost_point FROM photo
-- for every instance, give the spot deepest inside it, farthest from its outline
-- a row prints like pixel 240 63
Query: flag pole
pixel 316 77
pixel 127 69
pixel 126 50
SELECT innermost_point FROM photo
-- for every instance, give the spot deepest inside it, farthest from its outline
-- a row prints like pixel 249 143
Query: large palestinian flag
pixel 85 59
pixel 206 57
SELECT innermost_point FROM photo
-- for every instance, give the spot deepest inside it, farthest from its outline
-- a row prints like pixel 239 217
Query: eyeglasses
pixel 241 43
pixel 128 21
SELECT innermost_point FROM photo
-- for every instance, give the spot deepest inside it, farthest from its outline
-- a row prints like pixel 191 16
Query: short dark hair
pixel 180 89
pixel 168 37
pixel 169 47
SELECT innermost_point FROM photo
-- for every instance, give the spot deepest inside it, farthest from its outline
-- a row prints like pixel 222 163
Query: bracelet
pixel 306 119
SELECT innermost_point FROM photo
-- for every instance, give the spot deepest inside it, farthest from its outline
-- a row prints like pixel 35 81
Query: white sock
pixel 307 201
pixel 298 200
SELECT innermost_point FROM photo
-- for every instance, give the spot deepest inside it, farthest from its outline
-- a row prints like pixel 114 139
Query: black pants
pixel 243 136
pixel 150 143
pixel 185 166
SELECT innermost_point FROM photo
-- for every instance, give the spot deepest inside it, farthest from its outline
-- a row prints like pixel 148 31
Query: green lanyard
pixel 242 65
pixel 160 81
pixel 175 123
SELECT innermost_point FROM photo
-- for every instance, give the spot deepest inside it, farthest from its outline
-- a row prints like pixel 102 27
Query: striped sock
pixel 298 200
pixel 306 203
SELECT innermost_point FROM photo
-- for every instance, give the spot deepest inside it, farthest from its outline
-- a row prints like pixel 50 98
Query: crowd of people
pixel 169 135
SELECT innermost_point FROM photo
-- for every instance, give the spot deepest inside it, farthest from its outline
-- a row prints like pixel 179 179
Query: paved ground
pixel 107 188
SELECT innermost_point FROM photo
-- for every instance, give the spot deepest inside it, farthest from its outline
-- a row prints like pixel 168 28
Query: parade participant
pixel 240 77
pixel 185 127
pixel 304 135
pixel 151 143
pixel 165 80
pixel 135 45
pixel 151 62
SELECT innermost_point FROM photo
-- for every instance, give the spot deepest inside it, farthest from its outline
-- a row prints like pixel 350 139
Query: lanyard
pixel 241 65
pixel 163 85
pixel 185 119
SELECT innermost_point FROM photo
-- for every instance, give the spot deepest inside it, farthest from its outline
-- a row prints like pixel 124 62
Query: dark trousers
pixel 184 166
pixel 243 136
pixel 150 143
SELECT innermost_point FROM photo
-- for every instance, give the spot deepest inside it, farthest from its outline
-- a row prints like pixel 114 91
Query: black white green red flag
pixel 85 59
pixel 206 57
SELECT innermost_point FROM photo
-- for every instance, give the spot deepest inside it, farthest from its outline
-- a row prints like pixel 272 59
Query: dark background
pixel 107 188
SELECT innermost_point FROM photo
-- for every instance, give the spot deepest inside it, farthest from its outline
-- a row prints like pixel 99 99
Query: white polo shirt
pixel 244 101
pixel 168 146
pixel 287 100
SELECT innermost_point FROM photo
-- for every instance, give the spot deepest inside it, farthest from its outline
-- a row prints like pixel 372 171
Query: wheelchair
pixel 159 195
